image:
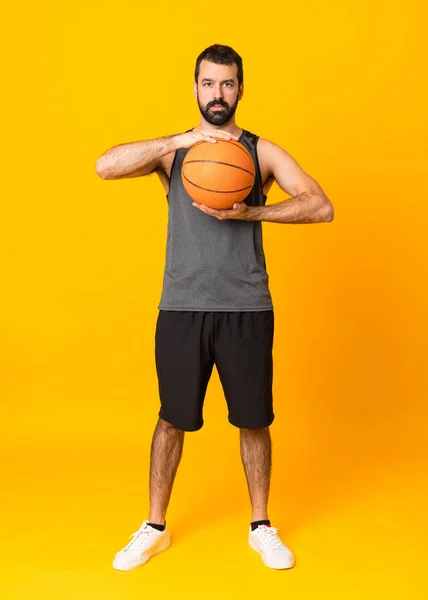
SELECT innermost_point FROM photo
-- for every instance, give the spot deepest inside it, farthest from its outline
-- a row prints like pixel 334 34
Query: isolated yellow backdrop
pixel 342 87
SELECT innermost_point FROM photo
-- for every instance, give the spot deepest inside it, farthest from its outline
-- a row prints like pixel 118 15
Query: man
pixel 215 306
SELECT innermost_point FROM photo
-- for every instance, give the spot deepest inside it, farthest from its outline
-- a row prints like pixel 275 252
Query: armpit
pixel 163 178
pixel 268 184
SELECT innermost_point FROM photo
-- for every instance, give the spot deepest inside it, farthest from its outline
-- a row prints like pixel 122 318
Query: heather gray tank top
pixel 214 265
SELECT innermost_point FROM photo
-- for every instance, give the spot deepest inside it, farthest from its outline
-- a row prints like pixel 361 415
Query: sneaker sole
pixel 148 556
pixel 289 566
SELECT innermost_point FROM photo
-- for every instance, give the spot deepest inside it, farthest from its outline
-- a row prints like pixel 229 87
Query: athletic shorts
pixel 189 343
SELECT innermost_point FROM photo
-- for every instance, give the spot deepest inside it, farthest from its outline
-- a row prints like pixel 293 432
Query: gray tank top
pixel 214 265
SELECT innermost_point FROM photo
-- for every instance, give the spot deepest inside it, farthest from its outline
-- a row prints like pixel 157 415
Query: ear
pixel 195 89
pixel 241 91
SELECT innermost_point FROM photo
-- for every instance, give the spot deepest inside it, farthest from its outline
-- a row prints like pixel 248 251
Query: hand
pixel 186 140
pixel 238 211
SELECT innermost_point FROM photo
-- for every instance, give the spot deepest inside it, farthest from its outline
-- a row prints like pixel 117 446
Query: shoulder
pixel 273 156
pixel 265 148
pixel 269 149
pixel 289 175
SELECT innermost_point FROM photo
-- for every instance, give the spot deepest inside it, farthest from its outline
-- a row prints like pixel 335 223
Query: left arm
pixel 308 203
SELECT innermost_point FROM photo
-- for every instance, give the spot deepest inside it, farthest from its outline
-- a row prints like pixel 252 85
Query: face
pixel 217 92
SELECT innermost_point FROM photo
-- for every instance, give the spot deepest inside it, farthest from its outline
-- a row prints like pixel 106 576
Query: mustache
pixel 219 102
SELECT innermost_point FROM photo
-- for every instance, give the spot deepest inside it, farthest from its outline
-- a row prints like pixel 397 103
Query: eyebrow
pixel 224 80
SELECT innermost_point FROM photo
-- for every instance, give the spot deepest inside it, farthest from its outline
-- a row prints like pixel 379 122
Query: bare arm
pixel 141 158
pixel 304 208
pixel 136 158
pixel 308 204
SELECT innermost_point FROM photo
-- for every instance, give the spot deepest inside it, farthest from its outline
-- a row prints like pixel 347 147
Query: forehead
pixel 213 71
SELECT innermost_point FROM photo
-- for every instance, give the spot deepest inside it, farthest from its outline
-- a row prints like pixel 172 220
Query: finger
pixel 207 209
pixel 223 134
pixel 228 136
pixel 219 137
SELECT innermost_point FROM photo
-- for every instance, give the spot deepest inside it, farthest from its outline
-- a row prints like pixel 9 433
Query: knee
pixel 254 434
pixel 168 427
pixel 253 430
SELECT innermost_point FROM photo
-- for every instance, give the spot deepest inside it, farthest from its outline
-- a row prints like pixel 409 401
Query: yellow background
pixel 342 87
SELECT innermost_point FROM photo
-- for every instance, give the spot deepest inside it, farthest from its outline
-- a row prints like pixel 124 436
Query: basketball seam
pixel 234 142
pixel 248 187
pixel 218 162
pixel 241 147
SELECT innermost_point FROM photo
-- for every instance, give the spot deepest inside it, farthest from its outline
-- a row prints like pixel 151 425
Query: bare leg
pixel 256 454
pixel 166 451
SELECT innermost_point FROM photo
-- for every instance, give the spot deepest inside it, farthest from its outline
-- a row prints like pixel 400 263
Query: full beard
pixel 218 117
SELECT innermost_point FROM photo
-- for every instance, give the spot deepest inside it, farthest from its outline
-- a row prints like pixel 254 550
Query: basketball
pixel 218 175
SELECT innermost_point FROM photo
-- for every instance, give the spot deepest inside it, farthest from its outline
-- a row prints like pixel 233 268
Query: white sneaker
pixel 146 542
pixel 265 540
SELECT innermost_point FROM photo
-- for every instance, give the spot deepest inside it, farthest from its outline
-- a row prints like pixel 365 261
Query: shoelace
pixel 139 537
pixel 268 536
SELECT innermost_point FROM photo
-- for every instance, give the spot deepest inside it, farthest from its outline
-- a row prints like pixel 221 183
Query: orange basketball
pixel 218 175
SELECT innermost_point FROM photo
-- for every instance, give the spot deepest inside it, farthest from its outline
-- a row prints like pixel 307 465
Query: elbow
pixel 101 170
pixel 330 215
pixel 328 212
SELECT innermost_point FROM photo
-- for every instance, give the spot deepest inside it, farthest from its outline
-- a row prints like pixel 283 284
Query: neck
pixel 230 126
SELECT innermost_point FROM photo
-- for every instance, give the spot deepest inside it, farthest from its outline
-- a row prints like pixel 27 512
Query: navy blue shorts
pixel 189 343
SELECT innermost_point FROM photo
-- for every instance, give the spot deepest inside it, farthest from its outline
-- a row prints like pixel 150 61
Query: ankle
pixel 158 526
pixel 261 516
pixel 255 524
pixel 157 519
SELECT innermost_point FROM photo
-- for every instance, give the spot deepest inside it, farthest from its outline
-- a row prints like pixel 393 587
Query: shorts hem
pixel 252 425
pixel 181 426
pixel 234 309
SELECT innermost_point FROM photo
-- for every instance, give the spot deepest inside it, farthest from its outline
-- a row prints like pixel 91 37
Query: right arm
pixel 136 158
pixel 141 158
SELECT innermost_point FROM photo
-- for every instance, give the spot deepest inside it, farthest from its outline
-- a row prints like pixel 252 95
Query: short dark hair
pixel 221 55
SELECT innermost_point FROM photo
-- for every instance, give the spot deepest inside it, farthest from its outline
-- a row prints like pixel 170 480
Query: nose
pixel 218 92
